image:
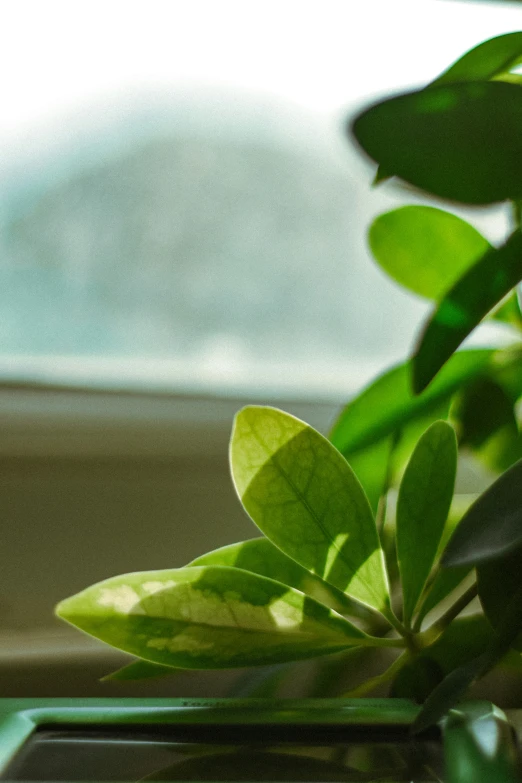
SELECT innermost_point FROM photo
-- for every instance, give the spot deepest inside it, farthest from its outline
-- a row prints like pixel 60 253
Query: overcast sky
pixel 323 54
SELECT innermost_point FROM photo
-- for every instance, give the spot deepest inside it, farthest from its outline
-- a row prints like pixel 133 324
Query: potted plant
pixel 339 571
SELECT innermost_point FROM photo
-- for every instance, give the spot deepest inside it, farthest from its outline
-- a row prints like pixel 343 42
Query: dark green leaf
pixel 388 403
pixel 425 249
pixel 140 670
pixel 306 499
pixel 210 617
pixel 485 61
pixel 498 581
pixel 465 305
pixel 502 450
pixel 492 527
pixel 261 557
pixel 455 685
pixel 444 583
pixel 424 501
pixel 481 410
pixel 462 641
pixel 448 693
pixel 457 141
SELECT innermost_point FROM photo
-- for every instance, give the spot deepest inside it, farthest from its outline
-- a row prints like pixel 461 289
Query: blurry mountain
pixel 203 225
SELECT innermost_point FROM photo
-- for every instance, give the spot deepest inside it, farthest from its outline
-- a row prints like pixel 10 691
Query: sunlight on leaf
pixel 425 249
pixel 261 557
pixel 305 498
pixel 489 59
pixel 208 618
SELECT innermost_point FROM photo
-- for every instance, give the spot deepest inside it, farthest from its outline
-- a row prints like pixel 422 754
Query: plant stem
pixel 442 623
pixel 381 679
pixel 517 214
pixel 382 641
pixel 394 621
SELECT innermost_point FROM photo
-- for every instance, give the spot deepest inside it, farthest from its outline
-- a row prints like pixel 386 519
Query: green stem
pixel 382 641
pixel 381 679
pixel 442 623
pixel 517 214
pixel 394 621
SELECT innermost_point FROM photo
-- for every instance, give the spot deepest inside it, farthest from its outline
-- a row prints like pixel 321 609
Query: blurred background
pixel 182 231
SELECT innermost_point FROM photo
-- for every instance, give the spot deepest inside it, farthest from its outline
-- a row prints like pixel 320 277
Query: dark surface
pixel 297 753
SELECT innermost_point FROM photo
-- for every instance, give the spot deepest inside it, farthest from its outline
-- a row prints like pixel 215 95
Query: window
pixel 181 209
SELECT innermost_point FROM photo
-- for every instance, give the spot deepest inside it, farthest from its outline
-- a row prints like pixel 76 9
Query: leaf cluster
pixel 364 544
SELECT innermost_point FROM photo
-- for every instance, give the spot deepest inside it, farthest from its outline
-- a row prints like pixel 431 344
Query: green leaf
pixel 425 249
pixel 448 693
pixel 483 408
pixel 456 141
pixel 424 501
pixel 508 312
pixel 498 581
pixel 388 403
pixel 465 305
pixel 261 557
pixel 140 670
pixel 372 466
pixel 479 745
pixel 455 685
pixel 462 641
pixel 444 583
pixel 208 618
pixel 492 526
pixel 485 61
pixel 305 498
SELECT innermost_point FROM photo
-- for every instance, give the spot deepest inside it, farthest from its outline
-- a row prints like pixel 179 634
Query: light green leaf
pixel 465 305
pixel 487 60
pixel 140 670
pixel 260 556
pixel 208 618
pixel 424 501
pixel 508 312
pixel 388 403
pixel 425 249
pixel 305 498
